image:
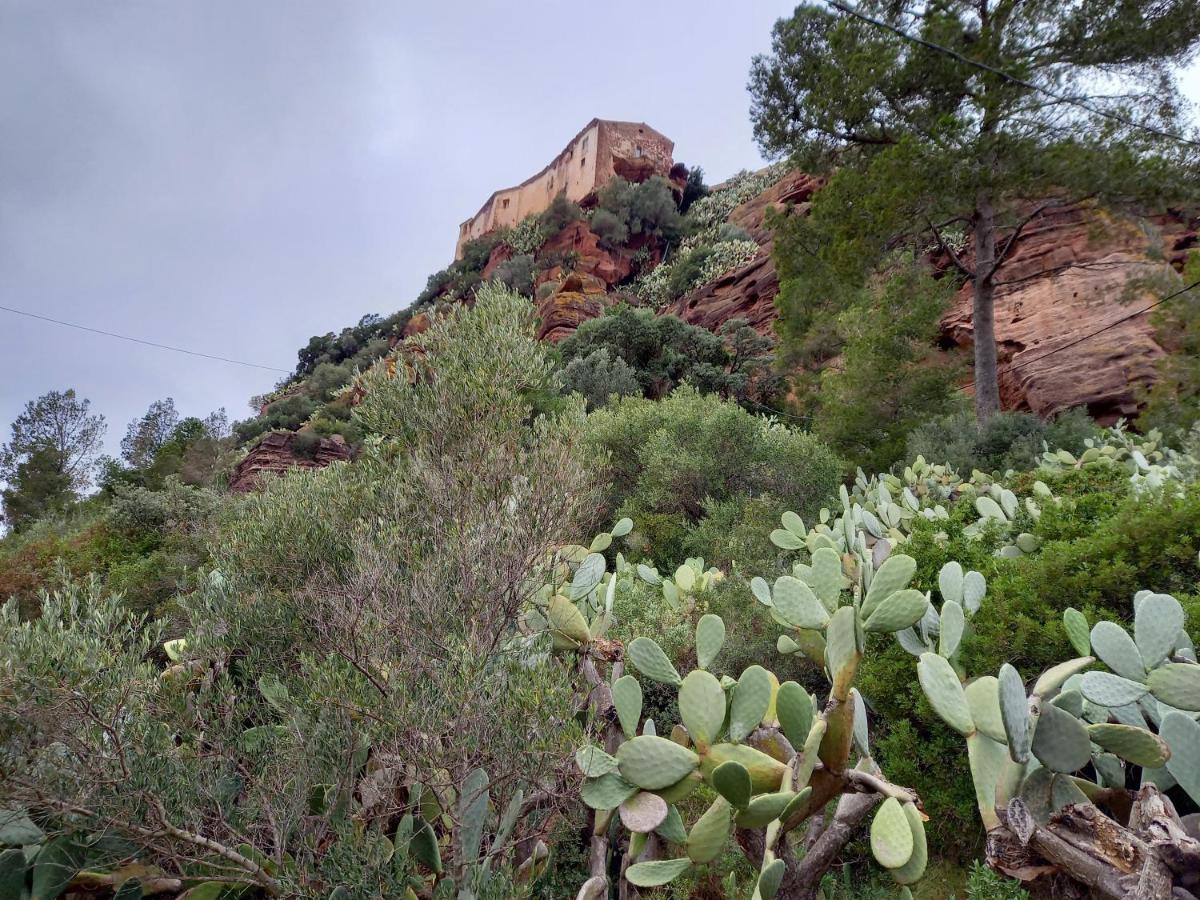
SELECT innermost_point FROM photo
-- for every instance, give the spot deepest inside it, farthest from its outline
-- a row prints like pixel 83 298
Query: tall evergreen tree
pixel 38 486
pixel 144 436
pixel 1022 105
pixel 63 422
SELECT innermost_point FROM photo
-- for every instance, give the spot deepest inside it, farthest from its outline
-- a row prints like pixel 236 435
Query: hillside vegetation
pixel 654 610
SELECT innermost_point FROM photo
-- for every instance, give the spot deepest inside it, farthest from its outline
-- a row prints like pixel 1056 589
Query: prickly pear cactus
pixel 773 754
pixel 1151 465
pixel 880 511
pixel 1122 713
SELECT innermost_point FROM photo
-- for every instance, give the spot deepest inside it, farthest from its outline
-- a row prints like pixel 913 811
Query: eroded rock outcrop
pixel 579 298
pixel 1068 299
pixel 749 292
pixel 280 451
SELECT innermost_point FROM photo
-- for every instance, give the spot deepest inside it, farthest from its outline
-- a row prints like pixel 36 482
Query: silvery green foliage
pixel 681 587
pixel 880 510
pixel 526 236
pixel 712 210
pixel 707 215
pixel 767 750
pixel 1152 466
pixel 1137 716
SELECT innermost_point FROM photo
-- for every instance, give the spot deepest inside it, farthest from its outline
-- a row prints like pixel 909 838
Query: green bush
pixel 1010 440
pixel 517 273
pixel 1097 554
pixel 662 351
pixel 676 456
pixel 611 229
pixel 646 208
pixel 559 214
pixel 598 376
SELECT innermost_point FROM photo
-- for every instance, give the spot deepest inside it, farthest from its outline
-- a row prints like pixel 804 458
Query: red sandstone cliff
pixel 277 452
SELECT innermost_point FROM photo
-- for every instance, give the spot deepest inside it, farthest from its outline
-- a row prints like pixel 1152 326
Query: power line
pixel 1159 302
pixel 1061 98
pixel 125 337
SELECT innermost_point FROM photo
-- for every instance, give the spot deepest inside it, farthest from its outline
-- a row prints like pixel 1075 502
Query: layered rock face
pixel 579 298
pixel 1068 306
pixel 278 452
pixel 749 292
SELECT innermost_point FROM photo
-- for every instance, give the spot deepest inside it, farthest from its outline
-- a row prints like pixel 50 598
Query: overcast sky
pixel 233 177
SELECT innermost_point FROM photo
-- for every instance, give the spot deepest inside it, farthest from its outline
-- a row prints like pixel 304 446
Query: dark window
pixel 583 162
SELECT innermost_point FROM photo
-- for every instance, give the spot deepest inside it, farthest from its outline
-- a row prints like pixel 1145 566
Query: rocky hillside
pixel 1066 312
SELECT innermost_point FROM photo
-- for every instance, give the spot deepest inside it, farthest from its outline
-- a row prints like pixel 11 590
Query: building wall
pixel 584 165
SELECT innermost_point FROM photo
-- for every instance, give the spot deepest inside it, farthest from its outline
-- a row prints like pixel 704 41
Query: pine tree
pixel 1022 106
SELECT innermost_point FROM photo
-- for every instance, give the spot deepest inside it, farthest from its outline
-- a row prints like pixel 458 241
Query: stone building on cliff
pixel 602 149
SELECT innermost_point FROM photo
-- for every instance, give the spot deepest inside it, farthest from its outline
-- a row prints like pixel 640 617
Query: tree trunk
pixel 987 384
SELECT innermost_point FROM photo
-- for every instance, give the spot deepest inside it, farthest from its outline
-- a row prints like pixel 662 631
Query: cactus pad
pixel 1060 741
pixel 1182 734
pixel 568 627
pixel 1054 677
pixel 794 709
pixel 649 659
pixel 1135 745
pixel 643 812
pixel 950 582
pixel 953 623
pixel 897 611
pixel 672 827
pixel 627 698
pixel 894 575
pixel 732 782
pixel 656 872
pixel 1014 713
pixel 652 762
pixel 843 650
pixel 983 698
pixel 797 604
pixel 770 878
pixel 766 773
pixel 1176 684
pixel 945 692
pixel 702 707
pixel 1111 690
pixel 1117 650
pixel 763 809
pixel 826 578
pixel 891 836
pixel 1157 626
pixel 974 590
pixel 708 836
pixel 607 792
pixel 1075 624
pixel 594 762
pixel 911 871
pixel 751 699
pixel 710 635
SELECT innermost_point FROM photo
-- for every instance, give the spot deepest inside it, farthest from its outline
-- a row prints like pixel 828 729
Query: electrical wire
pixel 125 337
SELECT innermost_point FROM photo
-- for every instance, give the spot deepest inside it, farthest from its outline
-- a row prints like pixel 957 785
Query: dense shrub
pixel 1097 554
pixel 890 377
pixel 1010 440
pixel 599 376
pixel 611 229
pixel 559 214
pixel 665 352
pixel 694 189
pixel 671 458
pixel 517 273
pixel 645 208
pixel 357 636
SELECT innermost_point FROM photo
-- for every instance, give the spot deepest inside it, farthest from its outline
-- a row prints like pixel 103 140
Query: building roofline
pixel 550 165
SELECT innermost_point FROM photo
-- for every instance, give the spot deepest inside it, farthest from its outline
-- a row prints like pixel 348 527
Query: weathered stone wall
pixel 584 165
